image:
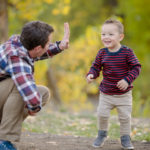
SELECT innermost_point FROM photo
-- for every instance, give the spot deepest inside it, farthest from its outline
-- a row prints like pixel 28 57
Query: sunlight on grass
pixel 63 123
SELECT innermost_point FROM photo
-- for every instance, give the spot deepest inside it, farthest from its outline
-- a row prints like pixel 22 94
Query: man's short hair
pixel 117 23
pixel 35 33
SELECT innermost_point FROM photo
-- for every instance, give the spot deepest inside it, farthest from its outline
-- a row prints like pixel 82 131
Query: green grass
pixel 63 123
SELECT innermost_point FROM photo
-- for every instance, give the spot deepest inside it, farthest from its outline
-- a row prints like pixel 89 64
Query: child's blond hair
pixel 117 23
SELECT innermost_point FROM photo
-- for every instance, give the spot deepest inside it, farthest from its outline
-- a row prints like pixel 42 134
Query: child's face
pixel 110 36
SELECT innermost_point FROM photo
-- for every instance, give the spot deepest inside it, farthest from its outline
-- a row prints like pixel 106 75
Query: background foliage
pixel 85 18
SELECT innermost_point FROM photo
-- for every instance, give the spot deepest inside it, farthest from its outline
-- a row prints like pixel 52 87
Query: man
pixel 20 96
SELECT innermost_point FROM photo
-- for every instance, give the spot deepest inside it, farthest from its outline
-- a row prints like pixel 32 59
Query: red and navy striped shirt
pixel 115 66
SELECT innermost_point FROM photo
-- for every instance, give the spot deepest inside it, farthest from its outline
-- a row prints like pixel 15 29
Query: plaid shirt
pixel 16 63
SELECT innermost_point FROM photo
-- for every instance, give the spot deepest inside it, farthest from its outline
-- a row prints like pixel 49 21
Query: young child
pixel 120 67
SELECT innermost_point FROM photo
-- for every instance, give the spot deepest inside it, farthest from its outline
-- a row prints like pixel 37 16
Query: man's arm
pixel 59 46
pixel 21 74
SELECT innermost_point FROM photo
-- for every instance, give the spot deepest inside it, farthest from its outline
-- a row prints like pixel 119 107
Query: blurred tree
pixel 3 20
pixel 71 68
pixel 136 20
pixel 21 12
pixel 85 18
pixel 79 13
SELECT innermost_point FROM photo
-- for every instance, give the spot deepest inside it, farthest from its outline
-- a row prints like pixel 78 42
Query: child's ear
pixel 121 37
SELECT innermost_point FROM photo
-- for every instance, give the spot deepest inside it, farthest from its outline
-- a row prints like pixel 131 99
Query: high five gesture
pixel 64 44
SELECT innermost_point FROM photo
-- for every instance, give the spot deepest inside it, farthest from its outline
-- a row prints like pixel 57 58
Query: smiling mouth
pixel 107 42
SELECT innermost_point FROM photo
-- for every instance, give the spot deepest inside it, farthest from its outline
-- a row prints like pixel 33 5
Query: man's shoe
pixel 6 145
pixel 126 142
pixel 99 141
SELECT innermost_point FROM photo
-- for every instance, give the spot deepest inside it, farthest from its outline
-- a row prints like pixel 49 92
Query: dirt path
pixel 34 141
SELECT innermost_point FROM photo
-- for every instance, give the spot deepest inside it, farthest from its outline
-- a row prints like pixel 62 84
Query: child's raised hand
pixel 89 78
pixel 122 85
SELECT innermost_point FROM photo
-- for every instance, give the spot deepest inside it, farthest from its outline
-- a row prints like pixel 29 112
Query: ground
pixel 37 141
pixel 57 130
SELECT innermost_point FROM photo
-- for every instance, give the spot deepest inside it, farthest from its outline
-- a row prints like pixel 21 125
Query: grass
pixel 85 124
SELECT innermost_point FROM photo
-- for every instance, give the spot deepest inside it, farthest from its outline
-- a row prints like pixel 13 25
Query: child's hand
pixel 122 85
pixel 89 78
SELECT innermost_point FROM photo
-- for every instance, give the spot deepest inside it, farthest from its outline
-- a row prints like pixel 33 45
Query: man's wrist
pixel 58 46
pixel 34 108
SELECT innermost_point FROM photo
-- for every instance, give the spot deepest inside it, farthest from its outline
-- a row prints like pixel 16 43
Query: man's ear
pixel 37 48
pixel 35 51
pixel 121 37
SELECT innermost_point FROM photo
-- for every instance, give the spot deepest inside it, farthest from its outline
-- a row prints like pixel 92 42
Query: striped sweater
pixel 115 66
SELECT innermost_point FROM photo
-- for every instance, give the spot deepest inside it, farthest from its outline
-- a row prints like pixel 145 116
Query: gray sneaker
pixel 126 142
pixel 99 141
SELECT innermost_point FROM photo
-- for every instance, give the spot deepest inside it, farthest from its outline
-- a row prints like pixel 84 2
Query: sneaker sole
pixel 101 144
pixel 129 148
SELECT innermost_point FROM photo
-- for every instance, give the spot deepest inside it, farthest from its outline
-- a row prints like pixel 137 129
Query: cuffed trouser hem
pixel 11 138
pixel 125 126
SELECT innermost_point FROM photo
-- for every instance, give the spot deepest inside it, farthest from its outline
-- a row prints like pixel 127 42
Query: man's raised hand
pixel 64 44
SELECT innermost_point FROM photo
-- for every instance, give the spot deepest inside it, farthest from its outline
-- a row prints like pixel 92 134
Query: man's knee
pixel 45 94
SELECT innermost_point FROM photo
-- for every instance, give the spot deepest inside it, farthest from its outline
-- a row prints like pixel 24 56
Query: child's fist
pixel 89 78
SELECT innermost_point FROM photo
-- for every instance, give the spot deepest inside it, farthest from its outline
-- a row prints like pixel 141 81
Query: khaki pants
pixel 123 104
pixel 13 111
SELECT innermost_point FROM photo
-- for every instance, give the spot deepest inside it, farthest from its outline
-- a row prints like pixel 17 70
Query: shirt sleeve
pixel 134 67
pixel 96 65
pixel 53 50
pixel 21 74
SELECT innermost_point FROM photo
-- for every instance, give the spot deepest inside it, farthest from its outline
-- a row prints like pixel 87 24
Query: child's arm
pixel 134 67
pixel 96 66
pixel 89 78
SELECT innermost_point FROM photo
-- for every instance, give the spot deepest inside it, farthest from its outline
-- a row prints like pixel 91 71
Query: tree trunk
pixel 3 21
pixel 53 86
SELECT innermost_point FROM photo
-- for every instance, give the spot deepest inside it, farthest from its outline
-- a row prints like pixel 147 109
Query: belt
pixel 4 77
